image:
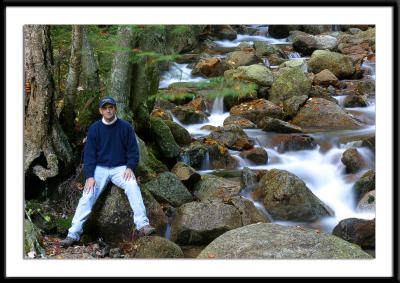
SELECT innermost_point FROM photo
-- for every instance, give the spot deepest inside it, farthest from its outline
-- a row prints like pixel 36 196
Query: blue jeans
pixel 102 176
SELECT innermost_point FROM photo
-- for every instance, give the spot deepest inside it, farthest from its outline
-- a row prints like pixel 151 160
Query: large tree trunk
pixel 42 132
pixel 120 84
pixel 146 76
pixel 68 112
pixel 89 79
pixel 86 101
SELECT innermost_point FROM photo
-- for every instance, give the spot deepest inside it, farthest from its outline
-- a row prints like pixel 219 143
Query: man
pixel 111 154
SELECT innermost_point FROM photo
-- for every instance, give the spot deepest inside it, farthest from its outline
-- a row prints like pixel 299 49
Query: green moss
pixel 63 223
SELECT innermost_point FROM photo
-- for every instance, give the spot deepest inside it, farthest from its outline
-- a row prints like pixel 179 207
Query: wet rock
pixel 161 113
pixel 321 92
pixel 249 213
pixel 319 113
pixel 257 109
pixel 180 134
pixel 223 32
pixel 291 82
pixel 239 121
pixel 186 174
pixel 275 125
pixel 264 49
pixel 188 115
pixel 164 138
pixel 340 65
pixel 295 143
pixel 326 78
pixel 357 231
pixel 354 101
pixel 199 103
pixel 288 198
pixel 292 105
pixel 194 155
pixel 248 179
pixel 353 160
pixel 156 247
pixel 367 202
pixel 273 241
pixel 211 67
pixel 148 164
pixel 232 137
pixel 241 58
pixel 202 222
pixel 218 156
pixel 258 74
pixel 168 188
pixel 365 184
pixel 112 217
pixel 212 187
pixel 256 155
pixel 359 43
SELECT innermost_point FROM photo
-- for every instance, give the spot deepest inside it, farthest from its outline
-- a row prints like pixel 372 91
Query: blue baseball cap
pixel 105 100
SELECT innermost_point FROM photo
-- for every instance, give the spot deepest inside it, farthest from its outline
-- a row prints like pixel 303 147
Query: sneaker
pixel 67 242
pixel 146 231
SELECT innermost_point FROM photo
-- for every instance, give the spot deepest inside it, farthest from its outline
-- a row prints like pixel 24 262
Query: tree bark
pixel 42 132
pixel 89 79
pixel 72 80
pixel 121 72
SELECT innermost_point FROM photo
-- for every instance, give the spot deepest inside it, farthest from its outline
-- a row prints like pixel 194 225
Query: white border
pixel 15 19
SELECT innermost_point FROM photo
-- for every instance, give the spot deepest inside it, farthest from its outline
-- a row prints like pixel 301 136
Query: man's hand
pixel 89 184
pixel 128 174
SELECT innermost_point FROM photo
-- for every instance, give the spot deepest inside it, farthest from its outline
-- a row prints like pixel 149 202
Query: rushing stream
pixel 321 168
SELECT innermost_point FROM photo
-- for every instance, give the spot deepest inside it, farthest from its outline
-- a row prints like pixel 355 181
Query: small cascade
pixel 218 106
pixel 266 62
pixel 369 69
pixel 174 119
pixel 178 73
pixel 250 39
pixel 293 56
pixel 205 165
pixel 167 234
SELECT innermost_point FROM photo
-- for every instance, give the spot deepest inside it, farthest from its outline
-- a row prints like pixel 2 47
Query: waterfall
pixel 266 62
pixel 293 55
pixel 178 73
pixel 218 105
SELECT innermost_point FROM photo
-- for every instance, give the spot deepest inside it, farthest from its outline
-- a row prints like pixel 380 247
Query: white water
pixel 369 69
pixel 250 39
pixel 178 73
pixel 216 119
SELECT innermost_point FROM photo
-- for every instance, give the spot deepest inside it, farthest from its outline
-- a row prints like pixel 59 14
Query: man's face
pixel 108 112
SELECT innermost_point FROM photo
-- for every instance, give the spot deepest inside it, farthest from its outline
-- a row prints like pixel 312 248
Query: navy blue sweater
pixel 110 146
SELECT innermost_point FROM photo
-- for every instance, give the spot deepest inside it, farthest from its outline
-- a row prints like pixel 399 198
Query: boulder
pixel 340 65
pixel 273 241
pixel 202 222
pixel 321 114
pixel 290 82
pixel 257 109
pixel 156 247
pixel 288 198
pixel 365 184
pixel 357 231
pixel 168 188
pixel 211 187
